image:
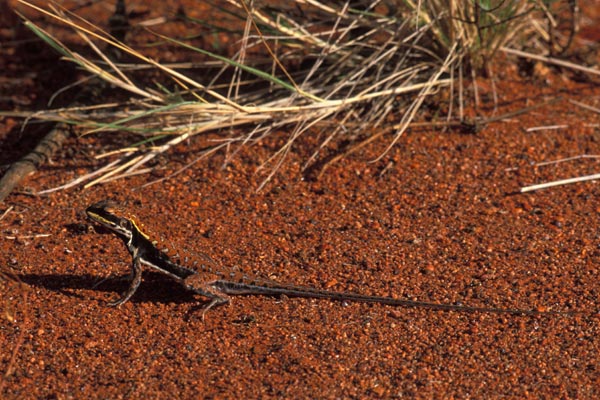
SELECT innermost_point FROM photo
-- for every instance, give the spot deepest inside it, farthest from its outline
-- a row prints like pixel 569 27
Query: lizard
pixel 218 284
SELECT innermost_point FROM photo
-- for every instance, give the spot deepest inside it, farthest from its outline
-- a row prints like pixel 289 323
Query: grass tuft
pixel 298 65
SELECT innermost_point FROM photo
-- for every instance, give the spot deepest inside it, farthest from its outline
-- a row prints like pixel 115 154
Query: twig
pixel 559 183
pixel 551 60
pixel 29 164
pixel 5 213
pixel 545 128
pixel 585 106
pixel 37 235
pixel 560 160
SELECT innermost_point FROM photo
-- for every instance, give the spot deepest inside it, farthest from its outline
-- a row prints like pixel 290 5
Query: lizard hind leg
pixel 206 289
pixel 214 302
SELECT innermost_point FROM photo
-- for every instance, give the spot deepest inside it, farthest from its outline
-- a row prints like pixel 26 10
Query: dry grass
pixel 295 66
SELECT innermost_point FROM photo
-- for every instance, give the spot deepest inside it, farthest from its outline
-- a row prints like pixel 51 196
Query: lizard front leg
pixel 136 279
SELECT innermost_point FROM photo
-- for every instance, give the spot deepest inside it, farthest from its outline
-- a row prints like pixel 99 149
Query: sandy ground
pixel 438 219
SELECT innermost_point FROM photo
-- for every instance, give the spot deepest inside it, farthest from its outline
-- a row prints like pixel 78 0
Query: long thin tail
pixel 273 289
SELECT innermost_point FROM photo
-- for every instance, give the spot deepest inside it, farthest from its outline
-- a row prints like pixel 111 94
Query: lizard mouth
pixel 101 229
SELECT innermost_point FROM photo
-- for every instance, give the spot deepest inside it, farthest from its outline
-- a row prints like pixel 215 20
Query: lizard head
pixel 114 217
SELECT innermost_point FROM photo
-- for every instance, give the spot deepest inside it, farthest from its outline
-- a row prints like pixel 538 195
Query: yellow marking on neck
pixel 132 219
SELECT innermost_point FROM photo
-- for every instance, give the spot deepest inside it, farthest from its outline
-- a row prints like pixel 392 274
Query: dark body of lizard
pixel 217 285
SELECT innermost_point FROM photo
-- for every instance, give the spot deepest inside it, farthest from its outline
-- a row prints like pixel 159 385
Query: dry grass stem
pixel 551 60
pixel 559 183
pixel 566 159
pixel 546 128
pixel 585 106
